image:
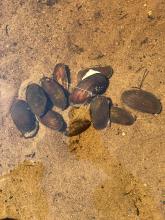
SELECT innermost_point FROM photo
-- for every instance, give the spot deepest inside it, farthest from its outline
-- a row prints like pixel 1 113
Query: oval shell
pixel 77 127
pixel 142 101
pixel 55 92
pixel 99 111
pixel 121 116
pixel 36 98
pixel 88 88
pixel 61 74
pixel 106 71
pixel 24 119
pixel 53 120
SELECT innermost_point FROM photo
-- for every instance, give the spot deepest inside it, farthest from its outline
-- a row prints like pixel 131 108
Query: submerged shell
pixel 36 98
pixel 24 119
pixel 106 71
pixel 77 127
pixel 121 116
pixel 55 92
pixel 88 88
pixel 53 120
pixel 100 113
pixel 142 101
pixel 61 74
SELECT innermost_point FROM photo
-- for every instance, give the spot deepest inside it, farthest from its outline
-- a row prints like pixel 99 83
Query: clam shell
pixel 61 74
pixel 24 119
pixel 142 101
pixel 100 113
pixel 121 116
pixel 106 71
pixel 53 120
pixel 37 100
pixel 88 88
pixel 55 92
pixel 77 127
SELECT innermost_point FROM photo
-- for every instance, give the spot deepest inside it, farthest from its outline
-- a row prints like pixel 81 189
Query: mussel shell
pixel 53 120
pixel 88 88
pixel 37 100
pixel 77 127
pixel 24 119
pixel 100 112
pixel 105 70
pixel 142 101
pixel 55 92
pixel 61 74
pixel 121 116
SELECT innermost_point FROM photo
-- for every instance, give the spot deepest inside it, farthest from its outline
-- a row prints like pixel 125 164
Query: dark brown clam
pixel 61 74
pixel 142 101
pixel 106 71
pixel 99 111
pixel 55 92
pixel 24 119
pixel 53 120
pixel 37 100
pixel 77 127
pixel 88 88
pixel 121 116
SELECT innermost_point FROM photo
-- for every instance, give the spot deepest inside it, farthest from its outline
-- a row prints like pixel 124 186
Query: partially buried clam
pixel 121 116
pixel 61 74
pixel 24 119
pixel 37 100
pixel 53 120
pixel 77 127
pixel 106 71
pixel 91 86
pixel 55 92
pixel 100 112
pixel 142 101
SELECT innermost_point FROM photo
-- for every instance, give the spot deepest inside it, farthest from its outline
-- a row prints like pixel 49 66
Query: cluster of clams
pixel 91 84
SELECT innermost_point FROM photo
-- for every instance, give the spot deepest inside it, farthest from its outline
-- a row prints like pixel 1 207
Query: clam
pixel 77 127
pixel 91 86
pixel 55 92
pixel 142 101
pixel 100 112
pixel 61 74
pixel 121 116
pixel 37 100
pixel 106 71
pixel 53 120
pixel 24 119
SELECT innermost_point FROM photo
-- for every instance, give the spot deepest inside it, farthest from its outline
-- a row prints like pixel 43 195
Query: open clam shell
pixel 61 74
pixel 55 92
pixel 106 71
pixel 142 101
pixel 53 120
pixel 24 119
pixel 77 127
pixel 36 98
pixel 100 112
pixel 121 116
pixel 88 88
